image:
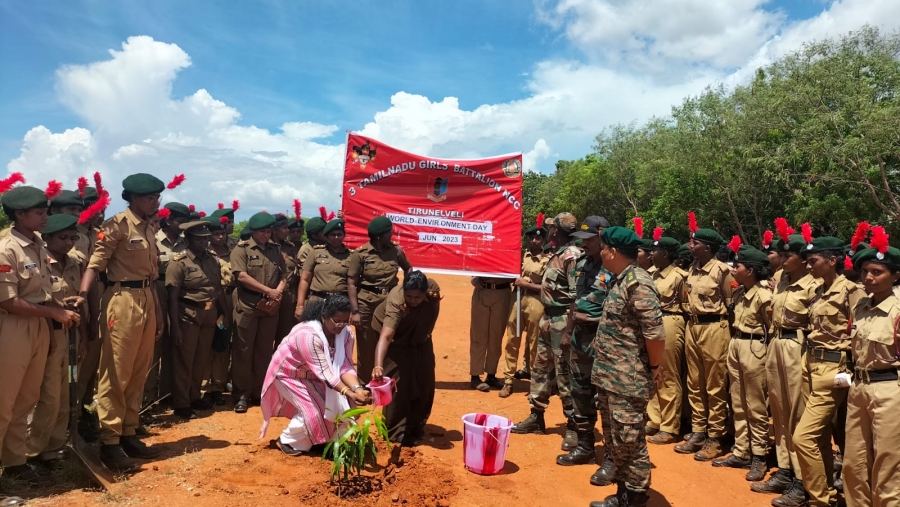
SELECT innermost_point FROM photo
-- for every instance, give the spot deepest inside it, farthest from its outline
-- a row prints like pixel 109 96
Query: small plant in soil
pixel 350 450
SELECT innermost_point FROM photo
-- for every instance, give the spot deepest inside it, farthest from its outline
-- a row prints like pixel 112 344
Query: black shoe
pixel 241 406
pixel 604 475
pixel 185 413
pixel 214 398
pixel 29 472
pixel 286 449
pixel 115 459
pixel 493 382
pixel 617 500
pixel 135 448
pixel 583 453
pixel 478 385
pixel 778 483
pixel 201 404
pixel 795 496
pixel 692 445
pixel 141 431
pixel 87 428
pixel 534 423
pixel 522 375
pixel 758 469
pixel 732 461
pixel 650 430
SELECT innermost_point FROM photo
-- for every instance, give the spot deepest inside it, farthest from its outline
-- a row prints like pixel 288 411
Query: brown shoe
pixel 712 449
pixel 650 430
pixel 663 438
pixel 758 469
pixel 732 461
pixel 507 391
pixel 692 445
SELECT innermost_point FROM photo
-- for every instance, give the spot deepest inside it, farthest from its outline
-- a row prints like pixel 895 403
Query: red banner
pixel 450 216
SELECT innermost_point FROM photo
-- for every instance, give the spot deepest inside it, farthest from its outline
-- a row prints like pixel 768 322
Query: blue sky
pixel 542 77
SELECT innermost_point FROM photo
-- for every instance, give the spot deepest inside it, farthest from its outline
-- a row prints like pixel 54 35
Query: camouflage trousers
pixel 581 360
pixel 626 439
pixel 551 367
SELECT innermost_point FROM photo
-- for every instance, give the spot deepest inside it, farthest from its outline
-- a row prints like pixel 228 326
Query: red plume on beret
pixel 767 239
pixel 223 220
pixel 879 239
pixel 191 207
pixel 177 180
pixel 8 183
pixel 323 213
pixel 657 233
pixel 783 229
pixel 639 226
pixel 54 188
pixel 540 220
pixel 331 216
pixel 221 205
pixel 297 208
pixel 848 263
pixel 96 208
pixel 98 183
pixel 806 231
pixel 82 185
pixel 862 230
pixel 164 213
pixel 735 244
pixel 692 222
pixel 202 214
pixel 235 205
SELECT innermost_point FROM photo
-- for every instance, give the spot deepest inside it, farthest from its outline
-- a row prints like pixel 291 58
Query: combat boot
pixel 534 423
pixel 712 449
pixel 732 461
pixel 663 438
pixel 778 483
pixel 604 475
pixel 116 460
pixel 570 441
pixel 758 469
pixel 796 496
pixel 692 445
pixel 583 454
pixel 135 448
pixel 622 498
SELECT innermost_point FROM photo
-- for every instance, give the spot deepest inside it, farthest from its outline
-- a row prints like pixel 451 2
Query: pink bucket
pixel 485 439
pixel 382 391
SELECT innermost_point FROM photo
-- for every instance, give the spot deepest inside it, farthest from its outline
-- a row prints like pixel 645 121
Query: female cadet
pixel 405 353
pixel 220 357
pixel 371 275
pixel 784 368
pixel 747 361
pixel 827 354
pixel 872 455
pixel 280 236
pixel 325 270
pixel 259 268
pixel 196 299
pixel 664 409
pixel 26 305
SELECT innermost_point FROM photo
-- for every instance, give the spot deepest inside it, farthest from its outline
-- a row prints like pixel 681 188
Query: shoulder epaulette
pixel 319 247
pixel 243 243
pixel 631 278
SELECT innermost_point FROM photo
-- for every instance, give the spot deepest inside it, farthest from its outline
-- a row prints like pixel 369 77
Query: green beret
pixel 213 224
pixel 891 258
pixel 334 225
pixel 245 234
pixel 59 223
pixel 708 236
pixel 296 224
pixel 314 225
pixel 684 250
pixel 379 226
pixel 90 196
pixel 261 220
pixel 795 244
pixel 196 228
pixel 749 255
pixel 536 231
pixel 848 248
pixel 25 197
pixel 647 245
pixel 224 212
pixel 67 198
pixel 667 243
pixel 178 210
pixel 143 184
pixel 620 237
pixel 824 243
pixel 281 220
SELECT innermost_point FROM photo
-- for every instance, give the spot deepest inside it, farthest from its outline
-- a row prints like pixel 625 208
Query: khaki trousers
pixel 532 311
pixel 192 357
pixel 128 331
pixel 787 397
pixel 872 456
pixel 490 313
pixel 50 419
pixel 749 393
pixel 251 351
pixel 664 409
pixel 812 436
pixel 24 343
pixel 706 349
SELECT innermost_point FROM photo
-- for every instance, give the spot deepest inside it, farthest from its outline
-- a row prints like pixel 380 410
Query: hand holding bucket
pixel 382 391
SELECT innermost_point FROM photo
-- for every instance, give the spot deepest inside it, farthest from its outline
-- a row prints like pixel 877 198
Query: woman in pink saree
pixel 311 379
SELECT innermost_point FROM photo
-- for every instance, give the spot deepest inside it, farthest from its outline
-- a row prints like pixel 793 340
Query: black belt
pixel 196 304
pixel 496 286
pixel 325 295
pixel 57 326
pixel 102 277
pixel 706 318
pixel 789 334
pixel 555 311
pixel 823 354
pixel 869 376
pixel 252 292
pixel 137 284
pixel 377 289
pixel 740 335
pixel 676 314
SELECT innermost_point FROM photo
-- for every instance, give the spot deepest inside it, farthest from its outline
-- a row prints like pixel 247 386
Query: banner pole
pixel 519 311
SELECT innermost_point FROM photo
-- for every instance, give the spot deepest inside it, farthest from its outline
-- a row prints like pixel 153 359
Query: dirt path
pixel 217 461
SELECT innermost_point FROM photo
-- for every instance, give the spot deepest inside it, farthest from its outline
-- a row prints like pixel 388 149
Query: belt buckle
pixel 208 305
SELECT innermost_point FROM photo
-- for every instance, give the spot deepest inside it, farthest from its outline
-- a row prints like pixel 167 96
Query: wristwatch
pixel 354 388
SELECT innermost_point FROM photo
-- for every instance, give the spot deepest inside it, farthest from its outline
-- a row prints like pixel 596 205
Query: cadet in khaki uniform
pixel 371 274
pixel 784 363
pixel 228 213
pixel 558 291
pixel 747 363
pixel 297 230
pixel 259 268
pixel 220 357
pixel 196 300
pixel 872 455
pixel 314 227
pixel 325 269
pixel 710 286
pixel 629 347
pixel 130 319
pixel 664 409
pixel 491 299
pixel 534 262
pixel 289 251
pixel 26 307
pixel 47 430
pixel 827 354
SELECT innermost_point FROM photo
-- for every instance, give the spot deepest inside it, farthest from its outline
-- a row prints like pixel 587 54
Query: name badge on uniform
pixel 135 240
pixel 31 266
pixel 369 261
pixel 252 257
pixel 190 270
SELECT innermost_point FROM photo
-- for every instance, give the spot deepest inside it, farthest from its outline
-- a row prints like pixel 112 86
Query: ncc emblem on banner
pixel 512 168
pixel 364 154
pixel 437 188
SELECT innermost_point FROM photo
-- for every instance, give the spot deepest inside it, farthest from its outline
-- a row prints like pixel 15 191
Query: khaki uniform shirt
pixel 533 266
pixel 126 249
pixel 305 250
pixel 829 314
pixel 670 282
pixel 752 310
pixel 291 265
pixel 709 288
pixel 168 250
pixel 196 277
pixel 374 268
pixel 262 262
pixel 874 339
pixel 24 270
pixel 87 236
pixel 790 303
pixel 329 269
pixel 66 280
pixel 558 286
pixel 230 243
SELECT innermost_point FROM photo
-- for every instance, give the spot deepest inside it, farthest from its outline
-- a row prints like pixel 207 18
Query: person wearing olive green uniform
pixel 297 230
pixel 259 268
pixel 27 306
pixel 645 255
pixel 664 409
pixel 50 419
pixel 325 269
pixel 534 262
pixel 371 274
pixel 710 285
pixel 131 319
pixel 827 354
pixel 196 299
pixel 784 363
pixel 872 454
pixel 314 227
pixel 170 242
pixel 747 363
pixel 280 236
pixel 229 226
pixel 216 376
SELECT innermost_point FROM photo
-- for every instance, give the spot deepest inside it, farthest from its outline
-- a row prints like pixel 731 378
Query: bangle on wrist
pixel 344 391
